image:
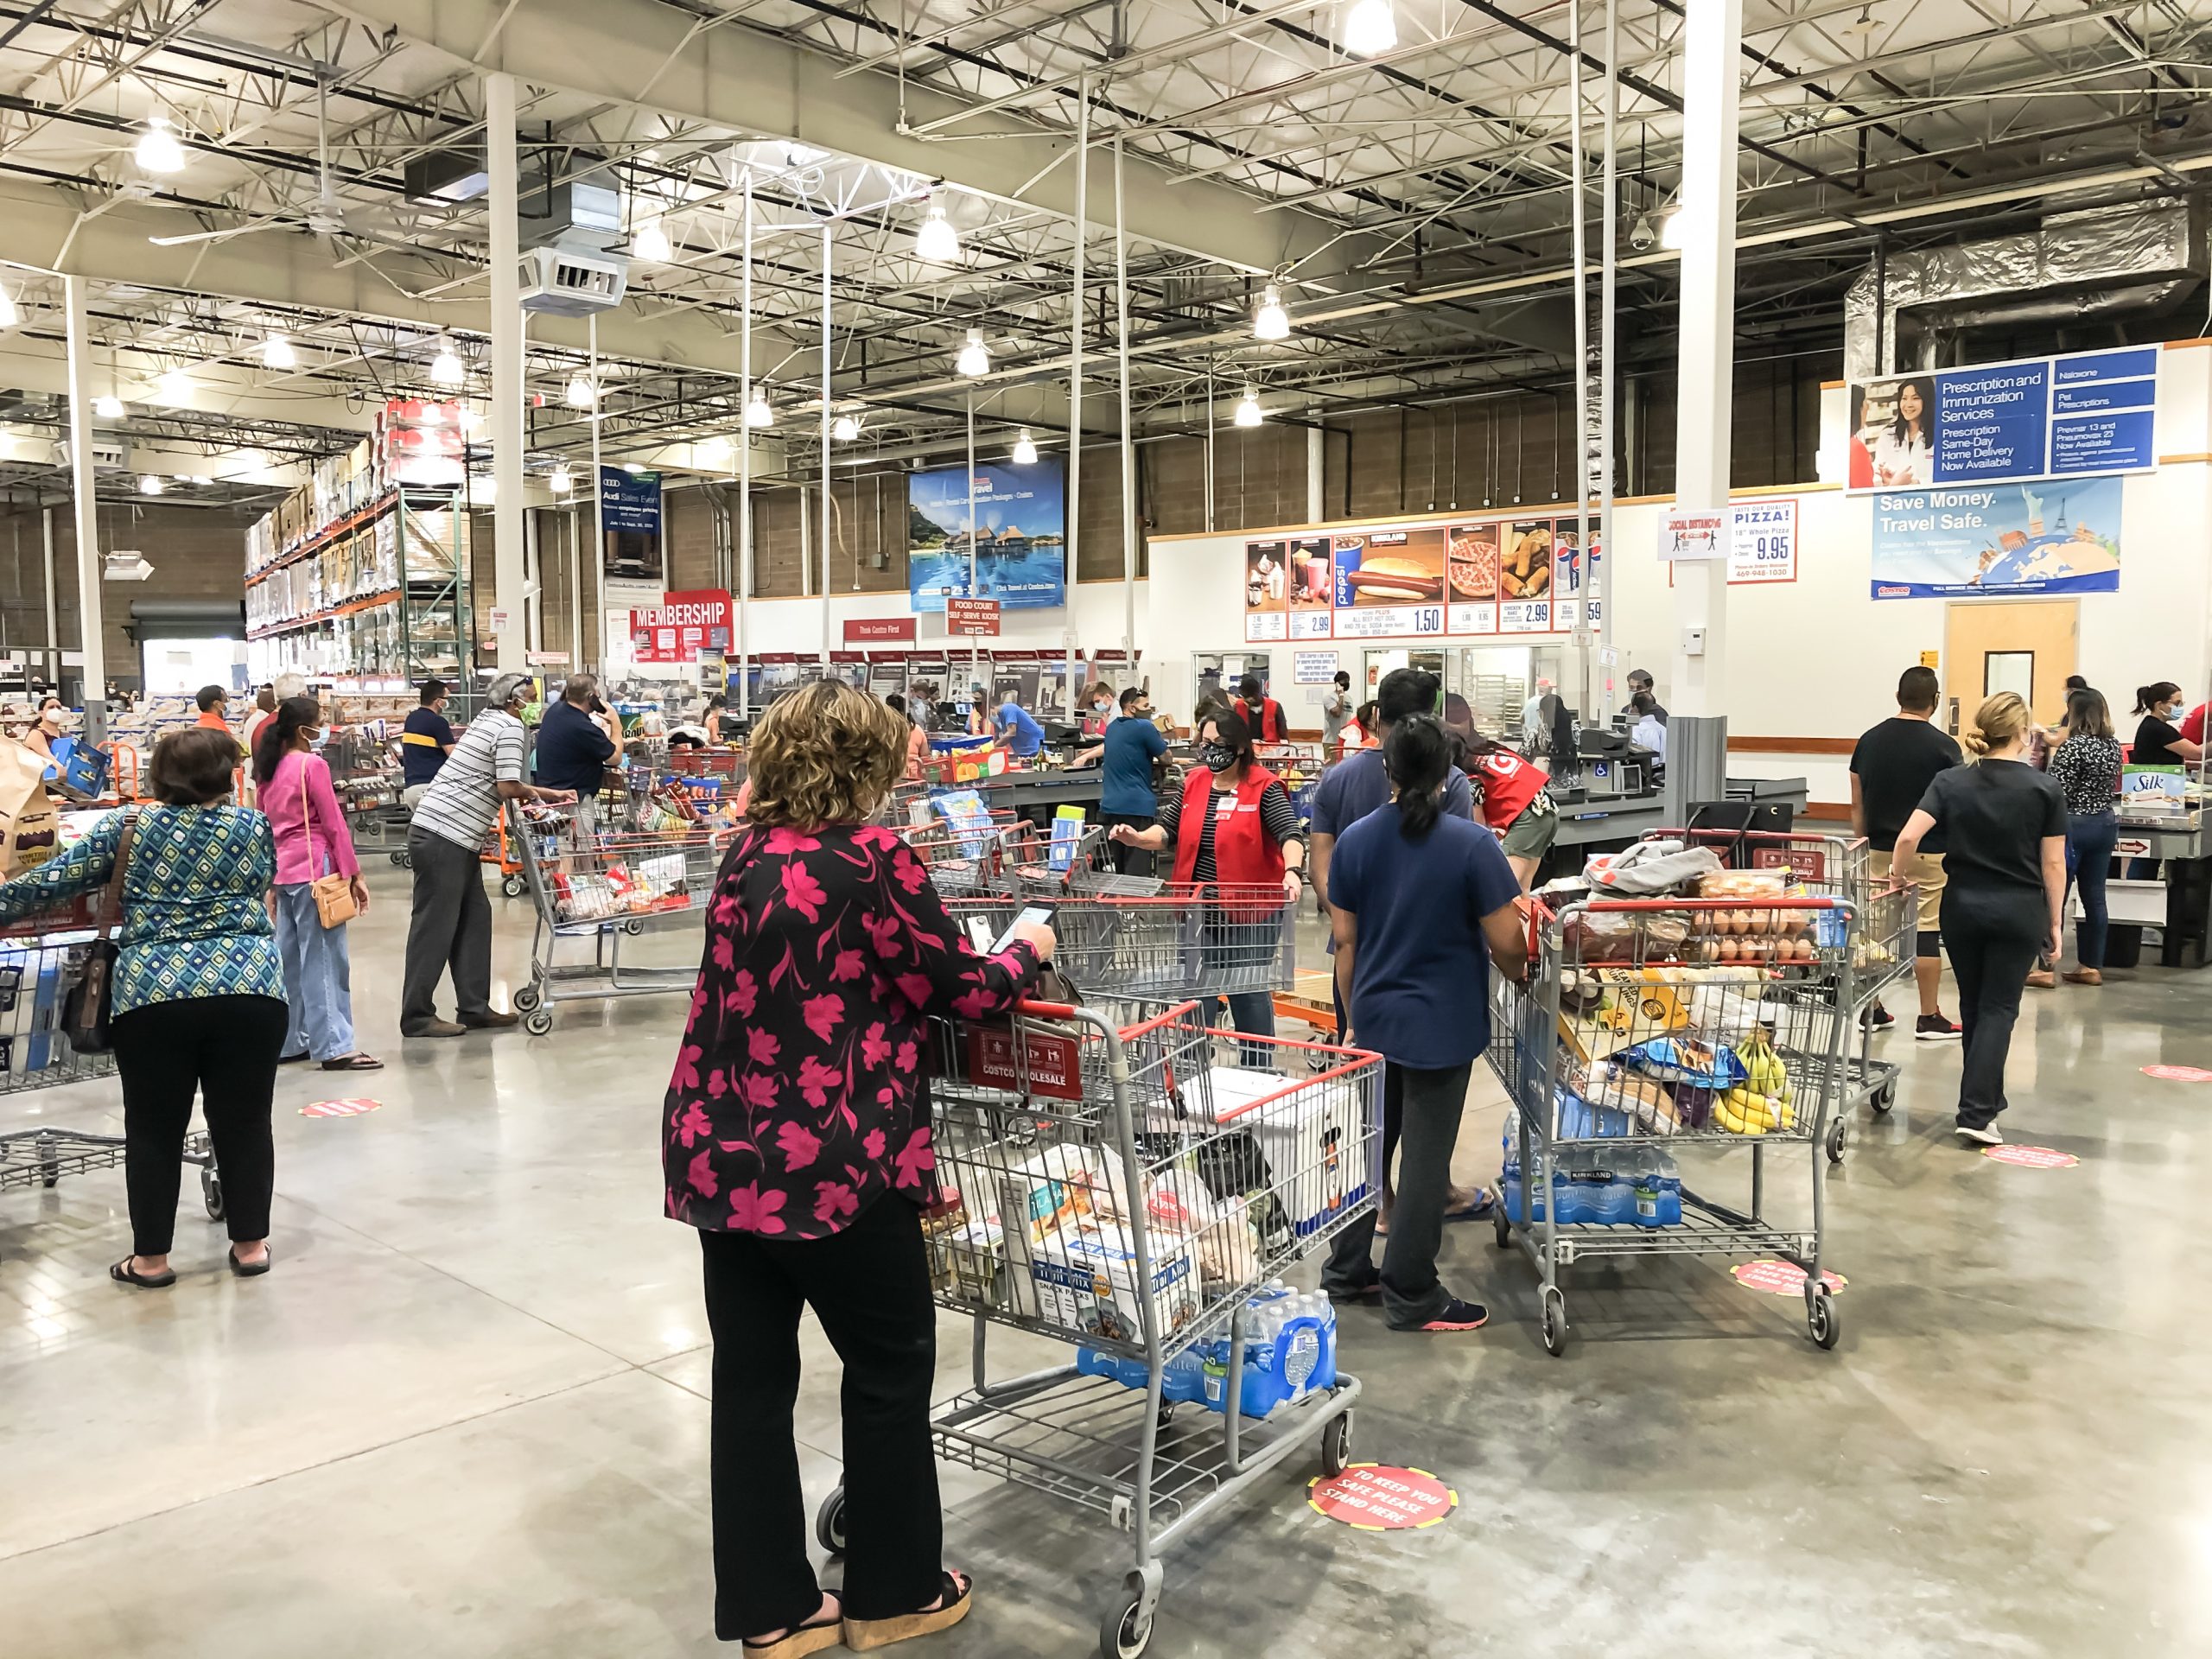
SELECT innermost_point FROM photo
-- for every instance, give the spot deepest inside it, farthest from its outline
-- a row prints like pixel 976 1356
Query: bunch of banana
pixel 1743 1110
pixel 1767 1075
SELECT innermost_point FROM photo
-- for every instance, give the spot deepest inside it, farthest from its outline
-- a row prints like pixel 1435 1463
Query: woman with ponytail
pixel 2004 892
pixel 1420 902
pixel 312 840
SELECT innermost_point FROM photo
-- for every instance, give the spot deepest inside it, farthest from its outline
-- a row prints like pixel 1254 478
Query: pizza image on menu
pixel 1471 562
pixel 1526 570
pixel 1390 567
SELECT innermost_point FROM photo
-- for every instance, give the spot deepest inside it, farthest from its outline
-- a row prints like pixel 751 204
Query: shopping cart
pixel 1884 913
pixel 1168 943
pixel 1110 1179
pixel 604 888
pixel 41 960
pixel 1653 1028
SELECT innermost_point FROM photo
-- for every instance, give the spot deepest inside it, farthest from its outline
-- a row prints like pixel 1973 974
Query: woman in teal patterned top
pixel 198 1000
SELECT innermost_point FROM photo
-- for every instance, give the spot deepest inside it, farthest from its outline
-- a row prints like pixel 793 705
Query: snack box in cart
pixel 1087 1280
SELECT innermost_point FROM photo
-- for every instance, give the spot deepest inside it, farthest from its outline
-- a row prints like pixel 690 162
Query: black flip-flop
pixel 353 1063
pixel 240 1270
pixel 123 1274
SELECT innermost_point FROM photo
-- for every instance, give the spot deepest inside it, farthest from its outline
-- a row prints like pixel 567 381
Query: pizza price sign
pixel 1762 544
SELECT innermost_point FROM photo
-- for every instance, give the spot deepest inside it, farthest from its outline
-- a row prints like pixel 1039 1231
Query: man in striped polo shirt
pixel 451 926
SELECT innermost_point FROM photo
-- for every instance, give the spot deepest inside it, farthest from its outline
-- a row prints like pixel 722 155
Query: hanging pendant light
pixel 562 479
pixel 974 359
pixel 582 393
pixel 1371 27
pixel 1271 321
pixel 108 407
pixel 760 414
pixel 936 241
pixel 649 242
pixel 845 429
pixel 712 452
pixel 157 149
pixel 150 484
pixel 277 352
pixel 1248 410
pixel 446 368
pixel 173 386
pixel 1024 449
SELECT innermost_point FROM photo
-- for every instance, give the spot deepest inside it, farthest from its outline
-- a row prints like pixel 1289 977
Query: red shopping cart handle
pixel 1808 902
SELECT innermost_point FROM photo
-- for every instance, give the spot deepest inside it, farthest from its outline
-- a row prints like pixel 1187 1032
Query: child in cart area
pixel 797 1140
pixel 1420 902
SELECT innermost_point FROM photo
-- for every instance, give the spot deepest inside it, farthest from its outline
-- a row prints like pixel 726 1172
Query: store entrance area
pixel 466 1417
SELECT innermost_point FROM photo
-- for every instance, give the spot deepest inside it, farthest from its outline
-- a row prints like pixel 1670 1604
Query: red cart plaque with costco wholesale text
pixel 1044 1064
pixel 1378 1498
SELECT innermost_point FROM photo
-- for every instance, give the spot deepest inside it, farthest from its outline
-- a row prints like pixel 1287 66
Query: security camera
pixel 1642 236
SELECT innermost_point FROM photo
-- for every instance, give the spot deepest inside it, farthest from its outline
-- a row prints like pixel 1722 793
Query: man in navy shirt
pixel 1023 735
pixel 574 749
pixel 1421 901
pixel 1357 784
pixel 425 741
pixel 1125 793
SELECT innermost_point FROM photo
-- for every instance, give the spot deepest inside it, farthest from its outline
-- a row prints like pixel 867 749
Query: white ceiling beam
pixel 754 82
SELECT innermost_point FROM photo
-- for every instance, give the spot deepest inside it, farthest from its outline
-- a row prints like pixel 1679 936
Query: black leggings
pixel 225 1049
pixel 1993 938
pixel 869 1286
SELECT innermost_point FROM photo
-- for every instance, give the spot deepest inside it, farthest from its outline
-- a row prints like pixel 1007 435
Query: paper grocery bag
pixel 30 830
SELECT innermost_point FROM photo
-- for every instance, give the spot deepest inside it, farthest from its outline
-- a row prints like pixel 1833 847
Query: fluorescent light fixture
pixel 936 241
pixel 1025 448
pixel 649 242
pixel 582 393
pixel 845 429
pixel 172 386
pixel 9 315
pixel 446 369
pixel 1271 321
pixel 277 352
pixel 974 359
pixel 127 565
pixel 108 407
pixel 149 483
pixel 561 480
pixel 1248 410
pixel 157 149
pixel 760 414
pixel 1371 27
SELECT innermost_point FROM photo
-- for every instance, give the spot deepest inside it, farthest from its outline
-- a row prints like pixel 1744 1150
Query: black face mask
pixel 1217 757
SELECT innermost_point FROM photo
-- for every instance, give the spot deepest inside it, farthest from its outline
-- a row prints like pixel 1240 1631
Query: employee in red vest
pixel 1515 804
pixel 1234 834
pixel 1262 714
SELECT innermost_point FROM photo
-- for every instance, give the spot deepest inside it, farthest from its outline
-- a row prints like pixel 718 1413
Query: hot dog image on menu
pixel 1391 581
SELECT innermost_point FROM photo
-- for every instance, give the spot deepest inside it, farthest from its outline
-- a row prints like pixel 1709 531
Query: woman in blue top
pixel 1420 902
pixel 199 992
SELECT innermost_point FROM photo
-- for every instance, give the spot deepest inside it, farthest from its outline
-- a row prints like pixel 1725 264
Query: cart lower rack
pixel 1115 1182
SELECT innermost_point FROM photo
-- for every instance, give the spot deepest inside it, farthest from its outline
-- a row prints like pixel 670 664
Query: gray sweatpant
pixel 450 928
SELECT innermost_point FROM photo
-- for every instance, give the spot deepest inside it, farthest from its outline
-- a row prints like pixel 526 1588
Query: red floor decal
pixel 2179 1073
pixel 2032 1157
pixel 352 1108
pixel 1377 1498
pixel 1782 1278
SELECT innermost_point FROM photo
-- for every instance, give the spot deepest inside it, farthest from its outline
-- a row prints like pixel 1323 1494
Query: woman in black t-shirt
pixel 2158 742
pixel 2005 824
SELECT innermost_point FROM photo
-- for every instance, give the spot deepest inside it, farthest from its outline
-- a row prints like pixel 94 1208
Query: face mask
pixel 1100 704
pixel 1217 757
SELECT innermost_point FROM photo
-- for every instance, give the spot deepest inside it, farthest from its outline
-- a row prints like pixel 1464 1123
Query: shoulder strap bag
pixel 89 1006
pixel 333 893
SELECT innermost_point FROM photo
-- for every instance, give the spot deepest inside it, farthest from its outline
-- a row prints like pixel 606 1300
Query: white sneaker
pixel 1987 1136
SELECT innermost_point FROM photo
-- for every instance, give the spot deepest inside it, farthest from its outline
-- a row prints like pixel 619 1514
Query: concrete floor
pixel 467 1415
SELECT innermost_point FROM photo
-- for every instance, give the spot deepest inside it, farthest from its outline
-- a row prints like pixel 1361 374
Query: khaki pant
pixel 1927 870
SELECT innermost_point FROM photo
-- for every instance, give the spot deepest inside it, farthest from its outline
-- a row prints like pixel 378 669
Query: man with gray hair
pixel 573 752
pixel 451 926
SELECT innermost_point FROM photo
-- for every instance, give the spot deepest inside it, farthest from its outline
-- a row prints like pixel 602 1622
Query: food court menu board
pixel 1500 576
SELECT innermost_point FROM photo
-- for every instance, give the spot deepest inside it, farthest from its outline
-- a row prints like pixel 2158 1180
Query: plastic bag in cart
pixel 1679 1060
pixel 1649 869
pixel 1624 935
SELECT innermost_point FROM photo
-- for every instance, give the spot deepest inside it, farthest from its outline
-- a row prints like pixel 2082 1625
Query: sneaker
pixel 1878 1018
pixel 1934 1028
pixel 1456 1315
pixel 1987 1136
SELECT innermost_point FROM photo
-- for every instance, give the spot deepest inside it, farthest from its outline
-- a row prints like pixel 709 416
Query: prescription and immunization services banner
pixel 2040 417
pixel 1021 541
pixel 2056 535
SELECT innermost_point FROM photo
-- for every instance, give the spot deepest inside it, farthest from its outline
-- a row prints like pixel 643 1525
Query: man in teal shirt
pixel 1125 793
pixel 1023 736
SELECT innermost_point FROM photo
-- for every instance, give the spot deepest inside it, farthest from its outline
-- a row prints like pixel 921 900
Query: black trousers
pixel 869 1286
pixel 225 1049
pixel 449 928
pixel 1131 860
pixel 1993 938
pixel 1430 1107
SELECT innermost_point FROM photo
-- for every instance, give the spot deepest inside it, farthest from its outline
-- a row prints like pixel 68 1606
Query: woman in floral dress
pixel 798 1143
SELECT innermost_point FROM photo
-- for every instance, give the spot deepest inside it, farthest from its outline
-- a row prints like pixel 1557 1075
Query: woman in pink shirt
pixel 312 840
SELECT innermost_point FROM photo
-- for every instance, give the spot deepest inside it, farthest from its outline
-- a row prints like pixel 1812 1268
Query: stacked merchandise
pixel 34 978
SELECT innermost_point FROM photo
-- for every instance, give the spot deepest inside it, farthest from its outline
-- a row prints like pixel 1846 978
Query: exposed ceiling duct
pixel 2100 262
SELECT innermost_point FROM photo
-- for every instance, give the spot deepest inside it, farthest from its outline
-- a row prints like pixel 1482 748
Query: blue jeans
pixel 2089 840
pixel 318 977
pixel 1240 951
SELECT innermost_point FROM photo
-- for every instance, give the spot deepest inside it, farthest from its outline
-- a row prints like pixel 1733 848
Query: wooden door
pixel 2028 645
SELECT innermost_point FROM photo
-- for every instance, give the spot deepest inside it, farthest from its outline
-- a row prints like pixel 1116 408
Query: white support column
pixel 745 472
pixel 1712 71
pixel 598 510
pixel 1128 441
pixel 504 208
pixel 1075 324
pixel 1317 460
pixel 828 519
pixel 52 614
pixel 574 520
pixel 89 623
pixel 1599 583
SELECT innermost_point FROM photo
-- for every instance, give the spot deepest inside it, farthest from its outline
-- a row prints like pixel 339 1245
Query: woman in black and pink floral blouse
pixel 797 1141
